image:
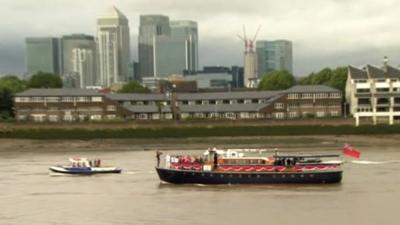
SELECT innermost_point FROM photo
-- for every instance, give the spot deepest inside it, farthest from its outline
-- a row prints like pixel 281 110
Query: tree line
pixel 282 79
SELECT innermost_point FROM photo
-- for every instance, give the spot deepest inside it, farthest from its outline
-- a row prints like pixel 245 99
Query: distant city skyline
pixel 324 33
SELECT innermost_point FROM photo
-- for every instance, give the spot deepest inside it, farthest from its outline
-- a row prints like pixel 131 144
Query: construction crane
pixel 249 43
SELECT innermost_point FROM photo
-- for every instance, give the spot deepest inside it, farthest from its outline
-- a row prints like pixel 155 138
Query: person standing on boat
pixel 215 160
pixel 158 156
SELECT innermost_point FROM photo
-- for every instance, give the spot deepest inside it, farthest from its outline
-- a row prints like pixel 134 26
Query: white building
pixel 373 94
pixel 113 47
pixel 82 61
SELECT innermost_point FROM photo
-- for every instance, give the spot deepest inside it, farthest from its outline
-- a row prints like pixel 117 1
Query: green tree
pixel 322 77
pixel 134 87
pixel 277 80
pixel 335 78
pixel 9 85
pixel 339 78
pixel 45 80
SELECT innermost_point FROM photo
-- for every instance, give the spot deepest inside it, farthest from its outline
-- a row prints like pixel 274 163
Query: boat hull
pixel 83 170
pixel 217 177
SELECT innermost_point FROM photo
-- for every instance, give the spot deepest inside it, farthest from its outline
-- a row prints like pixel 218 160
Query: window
pixel 67 99
pixel 279 115
pixel 335 95
pixel 320 114
pixel 380 90
pixel 382 101
pixel 293 115
pixel 111 116
pixel 321 95
pixel 95 117
pixel 279 105
pixel 68 117
pixel 22 99
pixel 360 81
pixel 230 115
pixel 199 115
pixel 364 101
pixel 142 116
pixel 293 96
pixel 37 99
pixel 307 96
pixel 382 109
pixel 53 118
pixel 97 99
pixel 244 115
pixel 83 99
pixel 362 90
pixel 334 113
pixel 52 99
pixel 111 108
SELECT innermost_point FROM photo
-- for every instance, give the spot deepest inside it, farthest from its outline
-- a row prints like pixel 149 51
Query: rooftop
pixel 310 89
pixel 44 92
pixel 112 13
pixel 374 72
pixel 356 73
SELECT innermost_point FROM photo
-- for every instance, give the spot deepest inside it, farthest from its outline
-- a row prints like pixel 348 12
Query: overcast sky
pixel 324 32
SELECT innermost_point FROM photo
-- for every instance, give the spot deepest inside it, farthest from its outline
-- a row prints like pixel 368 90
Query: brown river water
pixel 29 195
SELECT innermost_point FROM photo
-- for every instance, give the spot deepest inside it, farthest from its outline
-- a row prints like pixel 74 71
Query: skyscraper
pixel 188 31
pixel 83 60
pixel 79 58
pixel 113 47
pixel 42 54
pixel 151 26
pixel 274 55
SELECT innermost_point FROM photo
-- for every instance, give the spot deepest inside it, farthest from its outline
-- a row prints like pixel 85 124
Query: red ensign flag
pixel 352 152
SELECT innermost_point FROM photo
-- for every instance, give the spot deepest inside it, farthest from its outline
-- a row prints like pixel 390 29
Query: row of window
pixel 225 101
pixel 378 109
pixel 59 99
pixel 378 90
pixel 57 118
pixel 314 95
pixel 378 80
pixel 311 105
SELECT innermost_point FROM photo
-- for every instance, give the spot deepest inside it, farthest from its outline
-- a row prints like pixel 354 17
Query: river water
pixel 29 195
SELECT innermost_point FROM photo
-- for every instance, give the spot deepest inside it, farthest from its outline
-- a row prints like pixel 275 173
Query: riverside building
pixel 77 104
pixel 373 94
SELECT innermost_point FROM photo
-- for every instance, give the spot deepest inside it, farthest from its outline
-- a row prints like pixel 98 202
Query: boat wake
pixel 137 172
pixel 364 162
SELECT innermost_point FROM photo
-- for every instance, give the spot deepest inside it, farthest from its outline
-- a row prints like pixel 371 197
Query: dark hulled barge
pixel 219 167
